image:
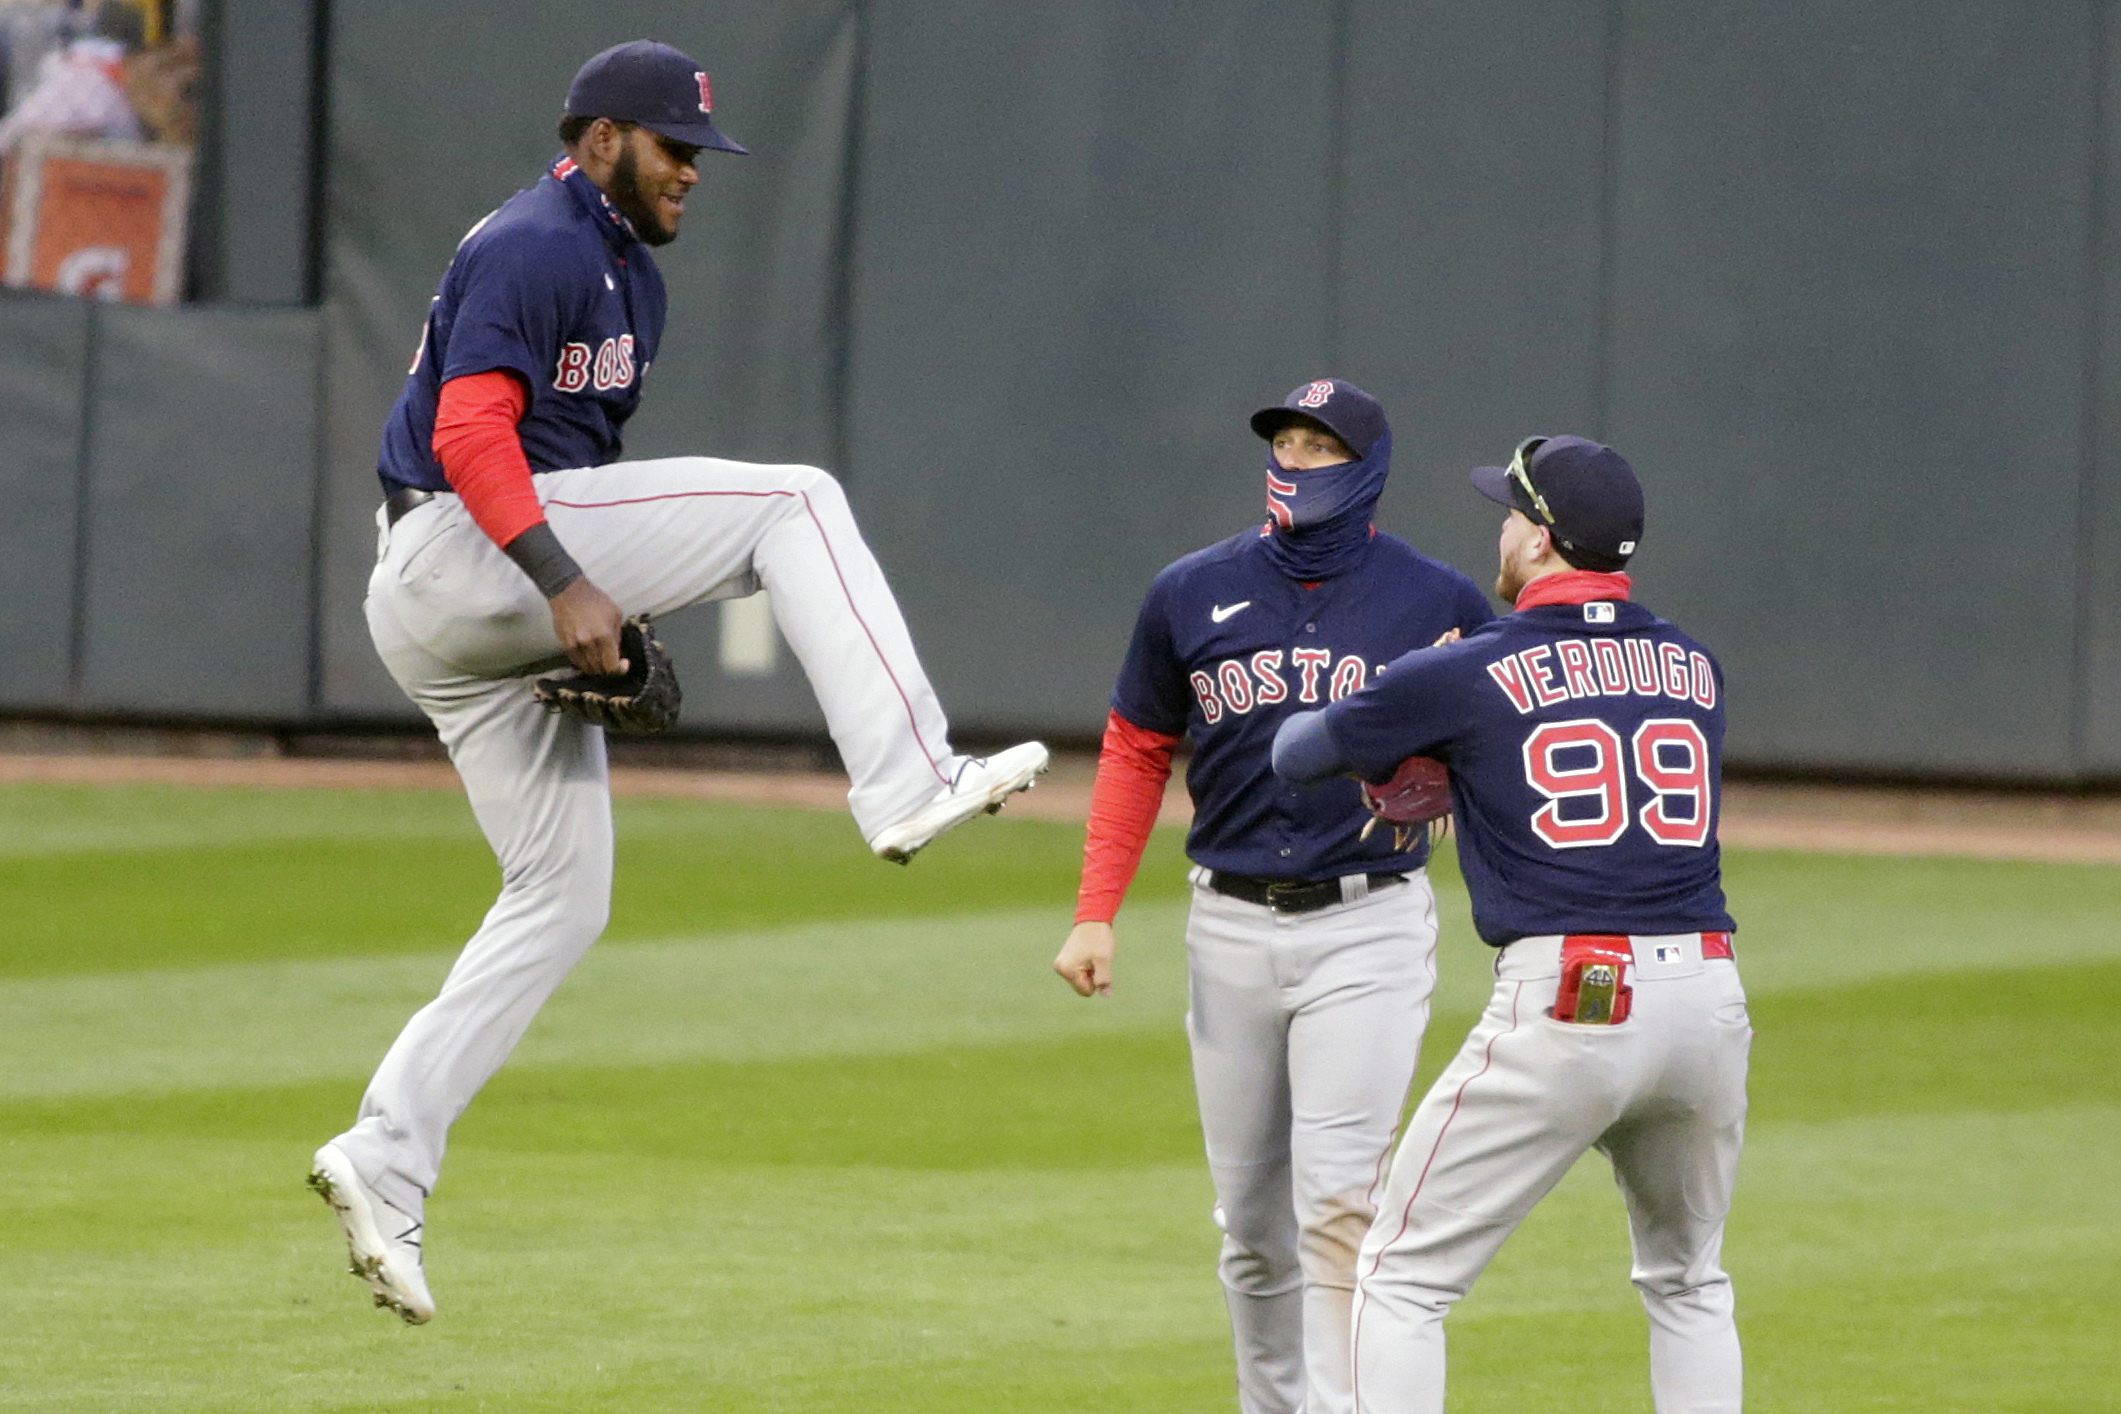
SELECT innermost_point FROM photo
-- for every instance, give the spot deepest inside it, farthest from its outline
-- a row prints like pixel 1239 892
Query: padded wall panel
pixel 1469 300
pixel 201 477
pixel 749 362
pixel 1851 295
pixel 1092 239
pixel 2099 581
pixel 43 359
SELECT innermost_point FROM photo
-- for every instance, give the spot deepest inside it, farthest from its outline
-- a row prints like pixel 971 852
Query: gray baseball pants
pixel 464 632
pixel 1661 1095
pixel 1306 1029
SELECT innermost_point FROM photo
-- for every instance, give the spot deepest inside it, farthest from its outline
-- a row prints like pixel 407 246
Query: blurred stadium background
pixel 1838 278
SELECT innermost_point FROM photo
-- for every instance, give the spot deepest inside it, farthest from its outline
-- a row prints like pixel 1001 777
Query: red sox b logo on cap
pixel 1318 395
pixel 706 93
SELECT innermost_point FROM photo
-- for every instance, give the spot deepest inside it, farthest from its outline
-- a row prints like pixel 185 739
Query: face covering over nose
pixel 1320 524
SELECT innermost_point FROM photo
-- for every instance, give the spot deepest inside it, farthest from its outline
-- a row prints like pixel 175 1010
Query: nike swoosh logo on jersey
pixel 1219 612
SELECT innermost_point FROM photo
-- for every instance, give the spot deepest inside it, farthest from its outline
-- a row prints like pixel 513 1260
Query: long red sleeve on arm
pixel 475 440
pixel 1132 766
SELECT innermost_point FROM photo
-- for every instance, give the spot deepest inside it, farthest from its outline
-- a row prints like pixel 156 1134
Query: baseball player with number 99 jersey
pixel 1584 737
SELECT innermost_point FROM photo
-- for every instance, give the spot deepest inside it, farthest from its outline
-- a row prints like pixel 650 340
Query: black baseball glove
pixel 644 698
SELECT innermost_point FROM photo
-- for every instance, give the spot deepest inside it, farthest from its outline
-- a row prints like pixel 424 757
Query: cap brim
pixel 1494 483
pixel 701 134
pixel 1268 421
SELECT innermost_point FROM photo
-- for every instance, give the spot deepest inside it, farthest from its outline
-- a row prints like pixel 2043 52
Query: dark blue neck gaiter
pixel 1321 519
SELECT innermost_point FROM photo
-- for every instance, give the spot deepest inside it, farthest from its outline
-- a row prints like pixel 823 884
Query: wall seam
pixel 2092 420
pixel 84 505
pixel 840 312
pixel 1604 333
pixel 313 285
pixel 1337 185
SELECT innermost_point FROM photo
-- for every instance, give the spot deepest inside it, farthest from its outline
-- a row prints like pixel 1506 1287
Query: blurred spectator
pixel 161 80
pixel 80 87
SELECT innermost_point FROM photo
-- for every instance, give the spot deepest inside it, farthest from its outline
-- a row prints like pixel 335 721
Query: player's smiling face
pixel 650 181
pixel 1307 446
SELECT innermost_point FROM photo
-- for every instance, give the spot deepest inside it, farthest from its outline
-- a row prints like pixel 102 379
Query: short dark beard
pixel 626 196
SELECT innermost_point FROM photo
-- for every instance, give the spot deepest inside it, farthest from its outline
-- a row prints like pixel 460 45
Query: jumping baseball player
pixel 1310 948
pixel 514 540
pixel 1584 737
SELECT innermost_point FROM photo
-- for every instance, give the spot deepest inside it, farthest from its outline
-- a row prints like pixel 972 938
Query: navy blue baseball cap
pixel 1583 491
pixel 1342 408
pixel 653 85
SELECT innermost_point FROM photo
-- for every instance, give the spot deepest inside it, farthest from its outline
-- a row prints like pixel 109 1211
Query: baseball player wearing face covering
pixel 1310 945
pixel 1584 736
pixel 515 540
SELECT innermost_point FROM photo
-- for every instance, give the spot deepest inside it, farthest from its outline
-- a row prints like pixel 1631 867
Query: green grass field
pixel 812 1133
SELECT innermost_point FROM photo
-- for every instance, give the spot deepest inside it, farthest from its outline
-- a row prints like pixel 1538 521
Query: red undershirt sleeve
pixel 1132 767
pixel 475 440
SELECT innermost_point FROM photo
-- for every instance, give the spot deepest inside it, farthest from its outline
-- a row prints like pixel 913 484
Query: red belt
pixel 1713 945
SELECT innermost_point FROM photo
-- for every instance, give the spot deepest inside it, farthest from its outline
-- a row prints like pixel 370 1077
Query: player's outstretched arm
pixel 588 625
pixel 1085 959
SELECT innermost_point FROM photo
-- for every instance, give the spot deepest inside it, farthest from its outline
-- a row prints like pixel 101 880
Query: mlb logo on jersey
pixel 1598 612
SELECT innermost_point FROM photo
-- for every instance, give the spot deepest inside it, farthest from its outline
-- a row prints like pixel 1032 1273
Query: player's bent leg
pixel 1493 1135
pixel 537 785
pixel 1365 973
pixel 661 535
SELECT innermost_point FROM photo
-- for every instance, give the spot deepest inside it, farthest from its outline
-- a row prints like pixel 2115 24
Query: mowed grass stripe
pixel 1094 1091
pixel 321 888
pixel 814 989
pixel 905 984
pixel 591 1281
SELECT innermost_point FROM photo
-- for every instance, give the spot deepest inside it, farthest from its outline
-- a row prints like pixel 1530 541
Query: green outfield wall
pixel 1837 278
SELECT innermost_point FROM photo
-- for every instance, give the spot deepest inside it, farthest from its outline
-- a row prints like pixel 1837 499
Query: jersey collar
pixel 617 230
pixel 1573 587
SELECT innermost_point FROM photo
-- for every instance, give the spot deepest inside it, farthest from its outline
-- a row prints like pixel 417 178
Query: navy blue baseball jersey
pixel 1227 646
pixel 1585 742
pixel 554 287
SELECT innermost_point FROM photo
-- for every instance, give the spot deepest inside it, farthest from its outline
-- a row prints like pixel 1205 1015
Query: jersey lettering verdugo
pixel 1567 733
pixel 574 308
pixel 1227 646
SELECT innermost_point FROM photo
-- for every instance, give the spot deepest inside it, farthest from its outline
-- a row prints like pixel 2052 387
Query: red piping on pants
pixel 1406 1217
pixel 852 608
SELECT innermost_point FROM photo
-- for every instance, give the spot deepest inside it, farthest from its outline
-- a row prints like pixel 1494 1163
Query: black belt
pixel 1289 895
pixel 404 499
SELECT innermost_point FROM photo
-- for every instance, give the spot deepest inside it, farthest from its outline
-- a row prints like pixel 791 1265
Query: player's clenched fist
pixel 587 624
pixel 1085 960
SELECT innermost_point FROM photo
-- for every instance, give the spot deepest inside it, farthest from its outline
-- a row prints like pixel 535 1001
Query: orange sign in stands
pixel 100 219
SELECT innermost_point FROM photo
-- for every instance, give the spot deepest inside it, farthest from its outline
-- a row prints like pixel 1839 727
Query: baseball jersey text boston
pixel 1584 737
pixel 1311 949
pixel 514 541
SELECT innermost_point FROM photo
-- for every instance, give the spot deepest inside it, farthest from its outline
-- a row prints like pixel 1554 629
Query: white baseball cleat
pixel 979 784
pixel 389 1264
